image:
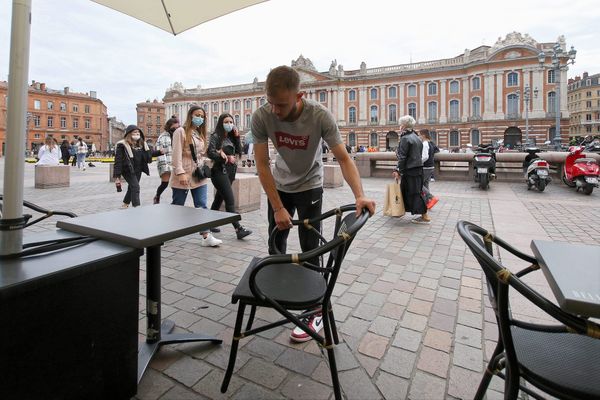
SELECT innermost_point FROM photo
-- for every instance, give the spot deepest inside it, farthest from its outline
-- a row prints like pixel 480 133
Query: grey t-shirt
pixel 298 164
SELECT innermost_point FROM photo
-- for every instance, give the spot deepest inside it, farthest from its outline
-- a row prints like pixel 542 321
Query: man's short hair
pixel 282 78
pixel 407 121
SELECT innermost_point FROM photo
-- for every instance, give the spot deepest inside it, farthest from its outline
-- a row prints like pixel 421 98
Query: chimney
pixel 33 83
pixel 585 75
pixel 93 94
pixel 43 86
pixel 66 90
pixel 37 85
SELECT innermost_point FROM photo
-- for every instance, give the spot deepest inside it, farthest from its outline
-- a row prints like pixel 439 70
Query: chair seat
pixel 565 359
pixel 290 285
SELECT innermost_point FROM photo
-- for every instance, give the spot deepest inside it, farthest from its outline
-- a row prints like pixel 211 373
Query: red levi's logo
pixel 293 142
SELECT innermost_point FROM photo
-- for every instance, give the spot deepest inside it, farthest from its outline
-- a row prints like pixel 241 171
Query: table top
pixel 573 273
pixel 147 226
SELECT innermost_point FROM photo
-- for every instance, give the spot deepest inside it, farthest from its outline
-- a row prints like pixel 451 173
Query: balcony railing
pixel 432 120
pixel 454 119
pixel 513 116
pixel 474 118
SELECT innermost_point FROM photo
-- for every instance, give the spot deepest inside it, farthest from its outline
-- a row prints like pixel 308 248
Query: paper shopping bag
pixel 393 204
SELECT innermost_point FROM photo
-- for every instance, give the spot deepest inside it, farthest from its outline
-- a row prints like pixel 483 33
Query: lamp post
pixel 557 54
pixel 526 99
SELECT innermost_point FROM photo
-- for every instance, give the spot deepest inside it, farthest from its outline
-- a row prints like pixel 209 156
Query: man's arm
pixel 261 158
pixel 352 177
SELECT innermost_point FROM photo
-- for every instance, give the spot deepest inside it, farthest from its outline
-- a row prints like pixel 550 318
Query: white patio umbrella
pixel 173 16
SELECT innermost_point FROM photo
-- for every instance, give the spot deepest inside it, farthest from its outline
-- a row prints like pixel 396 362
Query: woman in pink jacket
pixel 191 136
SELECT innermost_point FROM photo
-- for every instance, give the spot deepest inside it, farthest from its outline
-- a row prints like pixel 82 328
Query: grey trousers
pixel 427 172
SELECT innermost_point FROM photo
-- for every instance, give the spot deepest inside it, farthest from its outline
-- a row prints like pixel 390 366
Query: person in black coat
pixel 223 146
pixel 132 156
pixel 64 152
pixel 410 169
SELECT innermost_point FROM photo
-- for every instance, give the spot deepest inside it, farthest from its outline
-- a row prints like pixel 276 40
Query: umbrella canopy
pixel 176 16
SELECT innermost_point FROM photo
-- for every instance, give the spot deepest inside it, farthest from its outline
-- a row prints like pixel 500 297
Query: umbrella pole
pixel 12 221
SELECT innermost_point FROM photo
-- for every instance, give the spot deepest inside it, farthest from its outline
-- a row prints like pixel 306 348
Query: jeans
pixel 199 195
pixel 222 179
pixel 308 204
pixel 80 160
pixel 427 172
pixel 133 189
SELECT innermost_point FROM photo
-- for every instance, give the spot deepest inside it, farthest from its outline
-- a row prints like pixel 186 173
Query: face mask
pixel 135 137
pixel 228 127
pixel 172 130
pixel 197 121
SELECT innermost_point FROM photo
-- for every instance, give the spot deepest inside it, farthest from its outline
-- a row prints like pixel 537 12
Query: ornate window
pixel 352 139
pixel 475 139
pixel 412 110
pixel 454 87
pixel 432 89
pixel 476 107
pixel 322 96
pixel 412 90
pixel 551 102
pixel 352 115
pixel 352 95
pixel 476 83
pixel 512 79
pixel 374 113
pixel 374 140
pixel 432 111
pixel 551 77
pixel 236 105
pixel 392 114
pixel 392 92
pixel 454 110
pixel 248 103
pixel 236 118
pixel 512 106
pixel 454 139
pixel 373 94
pixel 248 121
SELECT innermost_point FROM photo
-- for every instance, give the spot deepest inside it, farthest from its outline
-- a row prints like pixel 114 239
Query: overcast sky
pixel 85 46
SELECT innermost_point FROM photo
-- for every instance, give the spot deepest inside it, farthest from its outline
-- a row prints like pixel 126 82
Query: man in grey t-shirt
pixel 296 127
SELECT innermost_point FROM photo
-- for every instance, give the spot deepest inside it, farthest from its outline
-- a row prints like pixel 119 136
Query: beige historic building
pixel 151 119
pixel 474 97
pixel 62 114
pixel 584 105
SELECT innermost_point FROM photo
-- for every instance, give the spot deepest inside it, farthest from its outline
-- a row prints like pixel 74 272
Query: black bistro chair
pixel 289 282
pixel 561 359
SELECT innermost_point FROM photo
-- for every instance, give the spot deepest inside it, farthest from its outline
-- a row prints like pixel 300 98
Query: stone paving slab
pixel 410 303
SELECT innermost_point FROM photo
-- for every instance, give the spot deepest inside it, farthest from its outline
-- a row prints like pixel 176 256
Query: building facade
pixel 584 105
pixel 62 114
pixel 472 98
pixel 116 132
pixel 151 119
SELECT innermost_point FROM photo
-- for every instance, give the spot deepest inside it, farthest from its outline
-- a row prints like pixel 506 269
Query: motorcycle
pixel 580 171
pixel 484 166
pixel 537 171
pixel 592 144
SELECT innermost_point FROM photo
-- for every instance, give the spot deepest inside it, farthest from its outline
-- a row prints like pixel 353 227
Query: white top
pixel 47 156
pixel 425 152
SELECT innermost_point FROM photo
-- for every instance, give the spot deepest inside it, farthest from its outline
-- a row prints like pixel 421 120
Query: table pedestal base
pixel 147 350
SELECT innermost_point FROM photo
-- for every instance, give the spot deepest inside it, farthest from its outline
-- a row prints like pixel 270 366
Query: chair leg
pixel 334 333
pixel 251 318
pixel 487 376
pixel 511 384
pixel 234 346
pixel 328 330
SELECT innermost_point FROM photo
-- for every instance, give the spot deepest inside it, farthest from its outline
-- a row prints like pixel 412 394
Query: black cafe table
pixel 149 227
pixel 573 273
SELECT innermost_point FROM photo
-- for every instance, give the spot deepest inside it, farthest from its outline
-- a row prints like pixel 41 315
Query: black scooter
pixel 484 166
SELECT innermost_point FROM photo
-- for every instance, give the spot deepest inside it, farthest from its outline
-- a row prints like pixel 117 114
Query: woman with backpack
pixel 132 157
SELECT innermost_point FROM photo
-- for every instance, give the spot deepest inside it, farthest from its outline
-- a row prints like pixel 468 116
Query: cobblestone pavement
pixel 410 302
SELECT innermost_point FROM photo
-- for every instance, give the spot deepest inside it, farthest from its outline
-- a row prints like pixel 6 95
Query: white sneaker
pixel 210 241
pixel 314 322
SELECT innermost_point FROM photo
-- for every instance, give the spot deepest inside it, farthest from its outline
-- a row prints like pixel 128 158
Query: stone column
pixel 538 103
pixel 466 104
pixel 499 95
pixel 341 106
pixel 362 105
pixel 564 111
pixel 421 110
pixel 488 95
pixel 334 100
pixel 443 116
pixel 401 110
pixel 382 108
pixel 329 100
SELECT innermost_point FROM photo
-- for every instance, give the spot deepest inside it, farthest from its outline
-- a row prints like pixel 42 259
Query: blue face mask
pixel 228 127
pixel 197 121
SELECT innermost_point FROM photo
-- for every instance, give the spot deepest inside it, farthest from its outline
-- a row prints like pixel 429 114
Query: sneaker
pixel 210 241
pixel 432 202
pixel 215 230
pixel 125 205
pixel 432 179
pixel 242 232
pixel 314 322
pixel 156 200
pixel 421 220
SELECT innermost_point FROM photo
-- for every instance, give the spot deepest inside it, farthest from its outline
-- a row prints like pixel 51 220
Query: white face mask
pixel 228 127
pixel 135 137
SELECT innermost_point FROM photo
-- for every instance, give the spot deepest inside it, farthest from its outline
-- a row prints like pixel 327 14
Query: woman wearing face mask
pixel 164 151
pixel 191 136
pixel 223 146
pixel 132 157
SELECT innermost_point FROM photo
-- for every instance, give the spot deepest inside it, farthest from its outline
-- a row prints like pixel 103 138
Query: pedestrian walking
pixel 65 155
pixel 427 156
pixel 223 146
pixel 164 153
pixel 189 145
pixel 296 127
pixel 73 153
pixel 410 170
pixel 82 150
pixel 132 157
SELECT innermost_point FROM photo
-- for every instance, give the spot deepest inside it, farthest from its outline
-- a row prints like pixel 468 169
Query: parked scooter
pixel 579 171
pixel 484 166
pixel 592 144
pixel 537 171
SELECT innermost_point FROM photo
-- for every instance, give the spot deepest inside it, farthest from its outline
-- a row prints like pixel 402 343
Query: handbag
pixel 202 172
pixel 393 203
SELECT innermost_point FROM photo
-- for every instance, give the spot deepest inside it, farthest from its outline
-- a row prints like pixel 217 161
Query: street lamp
pixel 556 55
pixel 526 98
